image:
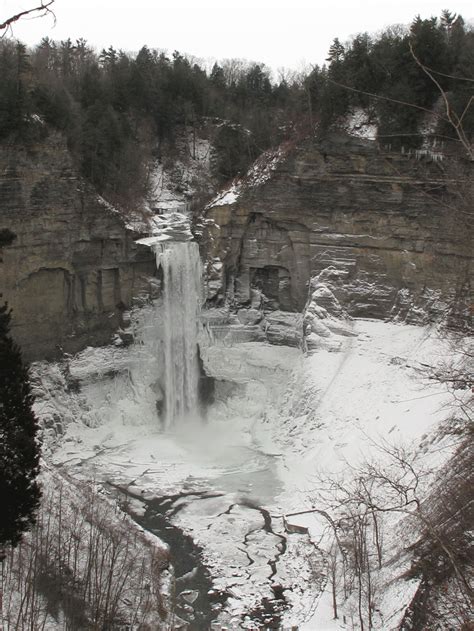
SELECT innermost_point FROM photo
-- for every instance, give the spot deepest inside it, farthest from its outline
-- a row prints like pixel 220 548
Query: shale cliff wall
pixel 380 227
pixel 69 268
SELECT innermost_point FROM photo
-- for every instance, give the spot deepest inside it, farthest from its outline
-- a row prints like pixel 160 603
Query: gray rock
pixel 283 328
pixel 73 268
pixel 249 316
pixel 355 214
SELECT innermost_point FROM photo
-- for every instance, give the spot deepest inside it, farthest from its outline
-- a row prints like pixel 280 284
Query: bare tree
pixel 86 561
pixel 436 508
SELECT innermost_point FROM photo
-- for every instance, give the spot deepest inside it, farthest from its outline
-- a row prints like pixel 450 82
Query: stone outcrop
pixel 69 267
pixel 380 225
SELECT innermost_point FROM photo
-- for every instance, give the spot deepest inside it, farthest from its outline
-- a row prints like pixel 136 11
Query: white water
pixel 181 267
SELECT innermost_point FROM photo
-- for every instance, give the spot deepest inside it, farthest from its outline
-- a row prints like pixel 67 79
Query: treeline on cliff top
pixel 117 110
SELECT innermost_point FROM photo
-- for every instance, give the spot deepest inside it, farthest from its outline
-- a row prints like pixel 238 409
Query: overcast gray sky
pixel 276 32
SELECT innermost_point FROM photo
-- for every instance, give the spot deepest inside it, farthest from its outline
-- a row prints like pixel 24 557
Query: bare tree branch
pixel 41 9
pixel 449 76
pixel 454 120
pixel 388 98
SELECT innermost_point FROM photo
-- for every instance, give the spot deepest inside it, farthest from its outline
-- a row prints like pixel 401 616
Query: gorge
pixel 222 371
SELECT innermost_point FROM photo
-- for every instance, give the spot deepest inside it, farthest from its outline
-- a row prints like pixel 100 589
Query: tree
pixel 336 51
pixel 416 82
pixel 435 507
pixel 14 97
pixel 19 450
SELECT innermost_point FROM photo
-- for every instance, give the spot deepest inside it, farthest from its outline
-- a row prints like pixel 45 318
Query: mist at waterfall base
pixel 166 366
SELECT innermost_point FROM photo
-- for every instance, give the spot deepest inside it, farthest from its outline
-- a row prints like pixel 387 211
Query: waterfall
pixel 181 267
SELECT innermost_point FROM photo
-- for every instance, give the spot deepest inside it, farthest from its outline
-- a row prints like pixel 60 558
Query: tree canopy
pixel 118 109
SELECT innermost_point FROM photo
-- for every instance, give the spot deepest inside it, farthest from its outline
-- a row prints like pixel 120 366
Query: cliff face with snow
pixel 374 228
pixel 378 226
pixel 69 267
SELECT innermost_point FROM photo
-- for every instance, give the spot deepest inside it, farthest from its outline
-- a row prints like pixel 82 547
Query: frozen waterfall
pixel 181 266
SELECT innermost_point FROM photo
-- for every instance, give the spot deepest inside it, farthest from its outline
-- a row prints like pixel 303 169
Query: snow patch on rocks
pixel 173 183
pixel 228 196
pixel 325 322
pixel 172 226
pixel 358 123
pixel 260 172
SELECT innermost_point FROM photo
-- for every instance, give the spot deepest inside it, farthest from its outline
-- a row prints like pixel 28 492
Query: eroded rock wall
pixel 69 268
pixel 380 225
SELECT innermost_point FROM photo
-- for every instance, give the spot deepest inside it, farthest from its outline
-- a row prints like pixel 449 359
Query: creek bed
pixel 195 602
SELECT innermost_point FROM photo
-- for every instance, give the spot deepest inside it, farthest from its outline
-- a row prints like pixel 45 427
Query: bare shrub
pixel 86 564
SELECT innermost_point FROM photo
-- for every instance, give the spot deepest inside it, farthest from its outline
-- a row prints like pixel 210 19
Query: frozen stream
pixel 212 506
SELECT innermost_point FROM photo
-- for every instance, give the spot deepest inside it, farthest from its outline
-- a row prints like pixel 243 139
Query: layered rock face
pixel 69 268
pixel 377 228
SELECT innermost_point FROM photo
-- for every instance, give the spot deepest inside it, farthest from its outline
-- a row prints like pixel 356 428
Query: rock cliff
pixel 379 228
pixel 69 267
pixel 374 230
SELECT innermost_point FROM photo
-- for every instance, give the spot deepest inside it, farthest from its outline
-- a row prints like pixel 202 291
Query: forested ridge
pixel 117 109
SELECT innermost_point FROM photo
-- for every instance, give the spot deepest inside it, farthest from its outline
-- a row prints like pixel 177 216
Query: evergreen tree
pixel 19 450
pixel 336 51
pixel 217 77
pixel 14 96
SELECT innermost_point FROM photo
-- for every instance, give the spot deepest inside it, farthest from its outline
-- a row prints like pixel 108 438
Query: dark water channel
pixel 196 603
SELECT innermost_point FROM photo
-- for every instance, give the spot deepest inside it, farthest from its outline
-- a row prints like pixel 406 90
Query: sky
pixel 279 33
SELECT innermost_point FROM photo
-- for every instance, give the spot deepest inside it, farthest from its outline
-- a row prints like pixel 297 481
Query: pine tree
pixel 19 449
pixel 336 51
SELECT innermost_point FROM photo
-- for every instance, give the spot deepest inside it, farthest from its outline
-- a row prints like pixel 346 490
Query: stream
pixel 197 601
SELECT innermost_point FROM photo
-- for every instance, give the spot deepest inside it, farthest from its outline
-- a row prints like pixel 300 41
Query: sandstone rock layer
pixel 379 226
pixel 69 268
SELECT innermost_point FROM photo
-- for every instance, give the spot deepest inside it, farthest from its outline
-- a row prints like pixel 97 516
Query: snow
pixel 69 507
pixel 173 184
pixel 280 420
pixel 227 197
pixel 358 124
pixel 172 226
pixel 259 173
pixel 263 168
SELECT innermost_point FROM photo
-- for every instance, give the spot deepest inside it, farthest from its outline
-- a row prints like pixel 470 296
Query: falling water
pixel 181 267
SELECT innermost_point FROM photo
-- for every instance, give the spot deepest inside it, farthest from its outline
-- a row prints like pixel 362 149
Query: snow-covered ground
pixel 259 173
pixel 281 420
pixel 85 563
